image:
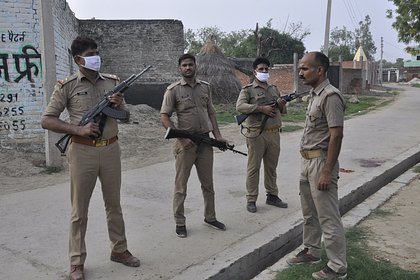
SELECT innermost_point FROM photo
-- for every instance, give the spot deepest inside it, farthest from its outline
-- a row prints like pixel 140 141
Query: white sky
pixel 230 15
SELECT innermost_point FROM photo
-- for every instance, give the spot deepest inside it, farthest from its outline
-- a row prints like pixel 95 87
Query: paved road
pixel 34 223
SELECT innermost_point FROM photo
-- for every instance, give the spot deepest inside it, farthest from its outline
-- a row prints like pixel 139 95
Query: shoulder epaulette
pixel 330 90
pixel 67 80
pixel 247 86
pixel 110 76
pixel 204 82
pixel 171 86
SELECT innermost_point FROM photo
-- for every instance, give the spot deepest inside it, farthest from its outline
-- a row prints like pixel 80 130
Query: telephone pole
pixel 380 62
pixel 327 28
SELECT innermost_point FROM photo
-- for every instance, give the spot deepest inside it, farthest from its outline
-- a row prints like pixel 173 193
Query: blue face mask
pixel 92 62
pixel 262 76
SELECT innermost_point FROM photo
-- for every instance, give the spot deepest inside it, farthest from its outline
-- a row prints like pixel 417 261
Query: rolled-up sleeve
pixel 57 103
pixel 242 105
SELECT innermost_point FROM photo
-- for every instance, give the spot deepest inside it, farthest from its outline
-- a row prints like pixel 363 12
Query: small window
pixel 418 57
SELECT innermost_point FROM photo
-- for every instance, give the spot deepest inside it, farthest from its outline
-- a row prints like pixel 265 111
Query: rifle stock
pixel 103 106
pixel 242 117
pixel 200 138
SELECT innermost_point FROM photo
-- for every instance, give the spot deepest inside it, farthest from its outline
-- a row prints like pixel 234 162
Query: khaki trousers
pixel 321 214
pixel 266 148
pixel 86 164
pixel 202 157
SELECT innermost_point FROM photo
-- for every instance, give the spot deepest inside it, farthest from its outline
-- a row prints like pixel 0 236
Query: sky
pixel 230 15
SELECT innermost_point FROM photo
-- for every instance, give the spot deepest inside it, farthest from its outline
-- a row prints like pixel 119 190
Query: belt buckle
pixel 101 143
pixel 304 154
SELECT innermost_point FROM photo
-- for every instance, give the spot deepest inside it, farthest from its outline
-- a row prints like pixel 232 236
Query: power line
pixel 350 15
pixel 358 10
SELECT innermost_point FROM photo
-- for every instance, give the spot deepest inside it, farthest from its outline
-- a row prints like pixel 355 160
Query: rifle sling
pixel 102 122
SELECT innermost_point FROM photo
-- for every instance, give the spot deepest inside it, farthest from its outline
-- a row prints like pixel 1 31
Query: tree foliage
pixel 407 20
pixel 275 45
pixel 345 42
pixel 342 43
pixel 364 38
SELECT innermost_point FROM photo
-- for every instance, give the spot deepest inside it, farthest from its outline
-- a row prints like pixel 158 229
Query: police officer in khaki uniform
pixel 320 148
pixel 94 152
pixel 264 105
pixel 191 100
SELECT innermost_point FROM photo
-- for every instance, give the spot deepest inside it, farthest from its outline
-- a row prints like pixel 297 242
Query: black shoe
pixel 275 201
pixel 251 207
pixel 181 231
pixel 215 224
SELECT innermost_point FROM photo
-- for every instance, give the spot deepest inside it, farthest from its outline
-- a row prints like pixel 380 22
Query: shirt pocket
pixel 204 100
pixel 185 103
pixel 315 117
pixel 82 100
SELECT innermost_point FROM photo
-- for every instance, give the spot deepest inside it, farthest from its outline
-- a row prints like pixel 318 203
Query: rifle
pixel 200 138
pixel 242 117
pixel 104 107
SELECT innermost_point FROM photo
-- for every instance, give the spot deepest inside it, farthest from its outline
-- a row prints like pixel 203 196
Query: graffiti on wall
pixel 20 80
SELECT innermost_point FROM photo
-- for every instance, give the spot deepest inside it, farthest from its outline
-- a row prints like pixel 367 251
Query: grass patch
pixel 416 169
pixel 361 265
pixel 416 85
pixel 291 128
pixel 382 212
pixel 52 169
pixel 296 111
pixel 366 102
pixel 225 113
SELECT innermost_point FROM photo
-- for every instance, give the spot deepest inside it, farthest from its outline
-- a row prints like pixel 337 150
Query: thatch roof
pixel 214 67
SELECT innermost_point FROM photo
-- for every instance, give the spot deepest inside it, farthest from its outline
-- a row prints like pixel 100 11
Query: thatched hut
pixel 214 67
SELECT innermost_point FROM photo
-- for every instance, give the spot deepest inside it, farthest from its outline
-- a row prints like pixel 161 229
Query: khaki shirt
pixel 325 110
pixel 192 105
pixel 77 94
pixel 254 95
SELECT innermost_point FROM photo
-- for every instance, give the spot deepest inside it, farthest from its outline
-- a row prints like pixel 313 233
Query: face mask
pixel 262 76
pixel 92 62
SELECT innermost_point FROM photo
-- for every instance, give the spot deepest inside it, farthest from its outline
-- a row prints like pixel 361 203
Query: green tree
pixel 364 38
pixel 407 20
pixel 235 44
pixel 194 41
pixel 342 43
pixel 279 47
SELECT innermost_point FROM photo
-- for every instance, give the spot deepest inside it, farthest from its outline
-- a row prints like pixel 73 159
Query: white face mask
pixel 262 76
pixel 92 62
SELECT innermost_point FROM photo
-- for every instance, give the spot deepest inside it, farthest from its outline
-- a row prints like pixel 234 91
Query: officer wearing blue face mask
pixel 94 152
pixel 262 102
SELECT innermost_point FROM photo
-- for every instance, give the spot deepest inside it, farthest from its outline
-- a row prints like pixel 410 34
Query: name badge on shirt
pixel 82 93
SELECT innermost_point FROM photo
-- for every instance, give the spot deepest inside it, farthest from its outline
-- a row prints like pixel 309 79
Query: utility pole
pixel 380 62
pixel 327 28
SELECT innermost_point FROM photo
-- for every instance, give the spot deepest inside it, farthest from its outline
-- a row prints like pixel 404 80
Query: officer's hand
pixel 268 110
pixel 281 101
pixel 221 139
pixel 89 130
pixel 116 99
pixel 324 181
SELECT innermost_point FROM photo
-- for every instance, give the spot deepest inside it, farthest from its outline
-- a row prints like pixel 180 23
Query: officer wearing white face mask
pixel 262 102
pixel 94 152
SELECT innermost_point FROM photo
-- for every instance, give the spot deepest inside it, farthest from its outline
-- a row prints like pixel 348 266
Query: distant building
pixel 412 67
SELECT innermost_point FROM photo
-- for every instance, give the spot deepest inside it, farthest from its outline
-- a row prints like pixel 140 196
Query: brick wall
pixel 21 91
pixel 125 46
